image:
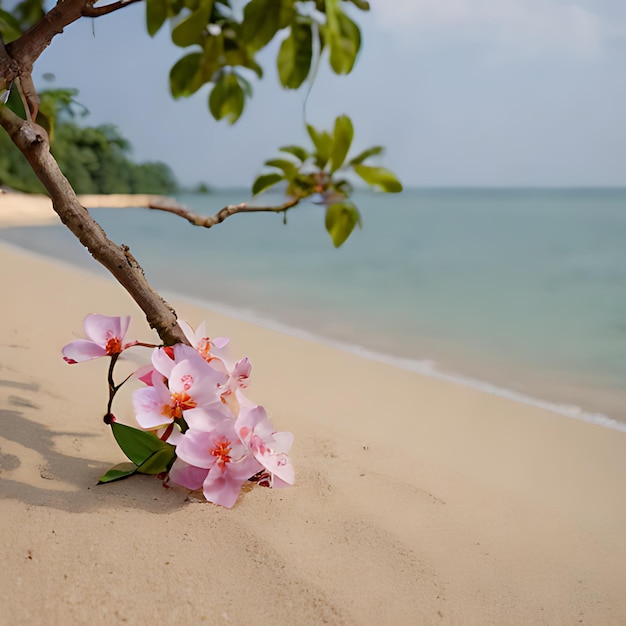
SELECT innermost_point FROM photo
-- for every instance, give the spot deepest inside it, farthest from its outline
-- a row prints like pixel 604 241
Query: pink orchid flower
pixel 209 349
pixel 106 337
pixel 268 446
pixel 237 381
pixel 215 460
pixel 185 389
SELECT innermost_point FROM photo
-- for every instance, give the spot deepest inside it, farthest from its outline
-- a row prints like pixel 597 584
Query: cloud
pixel 526 27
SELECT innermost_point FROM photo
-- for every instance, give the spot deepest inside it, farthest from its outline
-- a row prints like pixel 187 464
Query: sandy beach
pixel 417 501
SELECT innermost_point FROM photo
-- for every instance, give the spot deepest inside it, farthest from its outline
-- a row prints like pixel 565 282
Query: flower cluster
pixel 203 430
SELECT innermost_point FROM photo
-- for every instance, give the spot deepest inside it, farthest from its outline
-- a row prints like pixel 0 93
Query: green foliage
pixel 323 171
pixel 147 453
pixel 261 22
pixel 15 170
pixel 378 177
pixel 294 56
pixel 121 470
pixel 227 97
pixel 341 142
pixel 186 75
pixel 138 445
pixel 323 142
pixel 10 28
pixel 343 36
pixel 95 160
pixel 156 14
pixel 219 39
pixel 202 188
pixel 341 218
pixel 222 43
pixel 20 18
pixel 265 181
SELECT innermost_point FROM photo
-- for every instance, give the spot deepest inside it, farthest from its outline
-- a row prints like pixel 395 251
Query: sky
pixel 460 92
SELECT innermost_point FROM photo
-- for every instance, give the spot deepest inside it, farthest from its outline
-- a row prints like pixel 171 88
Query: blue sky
pixel 461 92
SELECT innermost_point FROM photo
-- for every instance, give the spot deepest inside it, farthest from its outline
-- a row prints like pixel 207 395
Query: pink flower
pixel 186 388
pixel 209 349
pixel 216 460
pixel 106 337
pixel 269 447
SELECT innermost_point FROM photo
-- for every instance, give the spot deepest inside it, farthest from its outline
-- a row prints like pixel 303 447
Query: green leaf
pixel 186 75
pixel 361 4
pixel 261 21
pixel 191 29
pixel 323 143
pixel 158 462
pixel 10 29
pixel 302 186
pixel 343 186
pixel 286 15
pixel 122 470
pixel 242 57
pixel 289 169
pixel 156 14
pixel 298 151
pixel 366 154
pixel 211 59
pixel 137 445
pixel 341 218
pixel 264 181
pixel 227 98
pixel 379 177
pixel 294 56
pixel 344 39
pixel 342 140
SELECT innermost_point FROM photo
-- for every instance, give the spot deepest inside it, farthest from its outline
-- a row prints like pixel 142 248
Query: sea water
pixel 521 292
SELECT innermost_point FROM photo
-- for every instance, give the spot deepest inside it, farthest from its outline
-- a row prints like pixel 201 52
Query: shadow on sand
pixel 73 479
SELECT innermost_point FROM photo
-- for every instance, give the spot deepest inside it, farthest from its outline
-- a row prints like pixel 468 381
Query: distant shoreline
pixel 23 209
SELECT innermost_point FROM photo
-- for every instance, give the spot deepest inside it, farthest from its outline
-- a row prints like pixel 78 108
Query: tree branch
pixel 27 49
pixel 207 221
pixel 91 11
pixel 32 141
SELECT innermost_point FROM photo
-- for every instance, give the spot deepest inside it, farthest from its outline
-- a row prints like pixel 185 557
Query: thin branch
pixel 207 221
pixel 91 11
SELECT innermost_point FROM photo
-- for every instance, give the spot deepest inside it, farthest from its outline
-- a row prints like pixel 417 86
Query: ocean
pixel 519 292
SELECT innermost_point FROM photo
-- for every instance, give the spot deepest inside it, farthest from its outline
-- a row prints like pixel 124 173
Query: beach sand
pixel 417 501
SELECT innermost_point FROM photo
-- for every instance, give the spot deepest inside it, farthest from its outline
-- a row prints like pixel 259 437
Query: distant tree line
pixel 94 160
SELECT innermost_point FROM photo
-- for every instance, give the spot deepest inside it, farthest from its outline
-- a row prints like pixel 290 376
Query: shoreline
pixel 23 209
pixel 18 209
pixel 423 367
pixel 416 500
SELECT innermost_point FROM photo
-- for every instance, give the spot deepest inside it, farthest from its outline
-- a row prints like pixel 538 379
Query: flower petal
pixel 195 449
pixel 82 350
pixel 148 405
pixel 187 475
pixel 100 328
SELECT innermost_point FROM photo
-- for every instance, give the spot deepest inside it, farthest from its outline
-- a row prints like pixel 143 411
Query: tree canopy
pixel 94 159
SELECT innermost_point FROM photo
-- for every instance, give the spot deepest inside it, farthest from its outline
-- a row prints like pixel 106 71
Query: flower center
pixel 179 402
pixel 114 346
pixel 221 450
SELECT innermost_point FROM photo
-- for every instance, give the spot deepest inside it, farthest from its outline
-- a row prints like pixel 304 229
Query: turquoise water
pixel 524 290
